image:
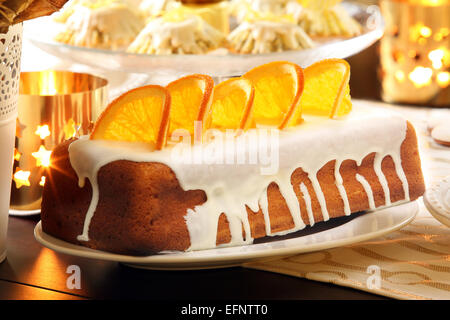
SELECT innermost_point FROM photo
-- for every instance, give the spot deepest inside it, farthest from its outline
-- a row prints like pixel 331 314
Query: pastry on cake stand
pixel 90 25
pixel 326 22
pixel 69 8
pixel 265 33
pixel 219 63
pixel 177 32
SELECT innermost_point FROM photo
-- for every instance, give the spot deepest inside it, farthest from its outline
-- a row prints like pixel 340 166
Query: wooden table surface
pixel 32 271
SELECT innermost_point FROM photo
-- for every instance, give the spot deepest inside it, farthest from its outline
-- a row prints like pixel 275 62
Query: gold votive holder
pixel 415 52
pixel 53 106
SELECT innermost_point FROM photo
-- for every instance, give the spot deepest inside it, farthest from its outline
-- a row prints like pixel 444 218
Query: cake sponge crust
pixel 142 207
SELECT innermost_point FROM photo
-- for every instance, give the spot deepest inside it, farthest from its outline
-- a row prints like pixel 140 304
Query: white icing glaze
pixel 294 9
pixel 230 187
pixel 264 205
pixel 319 194
pixel 307 199
pixel 367 189
pixel 377 166
pixel 340 186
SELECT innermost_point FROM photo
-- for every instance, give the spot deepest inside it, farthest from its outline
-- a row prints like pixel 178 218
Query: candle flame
pixel 436 57
pixel 42 131
pixel 47 82
pixel 432 3
pixel 17 154
pixel 425 32
pixel 420 76
pixel 443 79
pixel 21 178
pixel 42 182
pixel 398 56
pixel 441 34
pixel 400 76
pixel 69 129
pixel 418 32
pixel 42 157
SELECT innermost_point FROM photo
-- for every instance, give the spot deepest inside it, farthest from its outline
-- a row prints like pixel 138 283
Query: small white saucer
pixel 24 213
pixel 437 200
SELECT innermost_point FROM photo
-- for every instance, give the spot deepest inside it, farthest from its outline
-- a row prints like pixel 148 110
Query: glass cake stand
pixel 220 63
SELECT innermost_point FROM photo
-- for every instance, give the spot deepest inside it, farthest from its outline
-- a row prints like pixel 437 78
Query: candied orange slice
pixel 327 91
pixel 278 87
pixel 232 104
pixel 139 115
pixel 191 101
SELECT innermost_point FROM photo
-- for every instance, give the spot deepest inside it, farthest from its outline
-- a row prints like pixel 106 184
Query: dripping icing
pixel 309 146
pixel 367 189
pixel 340 185
pixel 307 199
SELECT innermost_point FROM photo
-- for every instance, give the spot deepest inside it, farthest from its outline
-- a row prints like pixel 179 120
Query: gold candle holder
pixel 415 52
pixel 53 106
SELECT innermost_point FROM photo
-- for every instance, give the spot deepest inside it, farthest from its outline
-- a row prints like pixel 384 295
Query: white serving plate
pixel 42 31
pixel 364 227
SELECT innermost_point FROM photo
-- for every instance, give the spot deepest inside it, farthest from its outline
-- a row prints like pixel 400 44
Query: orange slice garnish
pixel 191 102
pixel 232 104
pixel 278 87
pixel 327 91
pixel 139 115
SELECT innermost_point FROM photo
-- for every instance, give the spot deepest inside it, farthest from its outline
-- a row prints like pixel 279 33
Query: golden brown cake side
pixel 142 207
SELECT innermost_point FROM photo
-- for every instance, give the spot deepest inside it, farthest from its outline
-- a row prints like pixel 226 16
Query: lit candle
pixel 421 76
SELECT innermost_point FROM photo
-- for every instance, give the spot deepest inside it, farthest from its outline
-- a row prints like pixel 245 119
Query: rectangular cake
pixel 119 197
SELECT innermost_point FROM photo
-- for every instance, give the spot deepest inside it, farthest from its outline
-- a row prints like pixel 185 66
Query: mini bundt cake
pixel 179 32
pixel 265 33
pixel 105 24
pixel 328 22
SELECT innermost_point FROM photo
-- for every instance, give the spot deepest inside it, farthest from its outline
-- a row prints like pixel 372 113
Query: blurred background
pixel 411 63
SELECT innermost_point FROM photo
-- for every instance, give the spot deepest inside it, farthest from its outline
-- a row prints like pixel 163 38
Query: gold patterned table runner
pixel 411 263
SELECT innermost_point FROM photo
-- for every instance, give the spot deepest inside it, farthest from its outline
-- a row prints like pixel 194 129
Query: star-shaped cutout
pixel 21 178
pixel 42 157
pixel 43 131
